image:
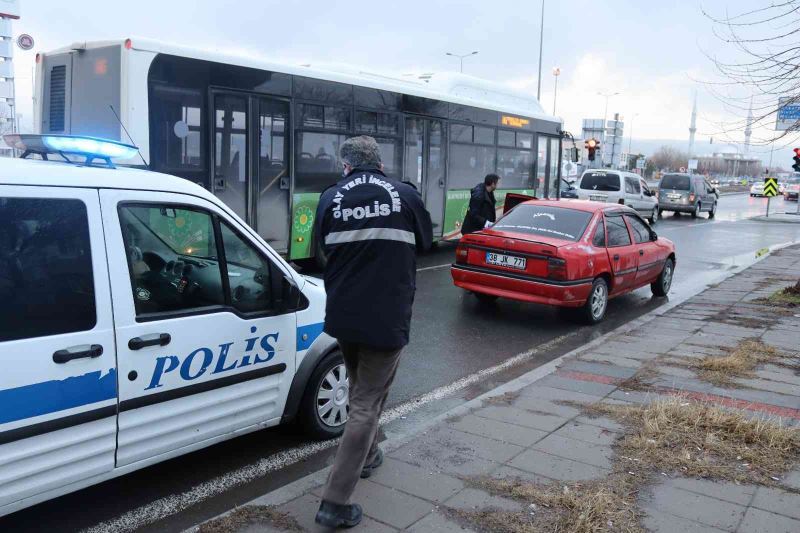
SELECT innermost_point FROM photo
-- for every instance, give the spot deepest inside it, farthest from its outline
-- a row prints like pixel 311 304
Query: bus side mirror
pixel 574 155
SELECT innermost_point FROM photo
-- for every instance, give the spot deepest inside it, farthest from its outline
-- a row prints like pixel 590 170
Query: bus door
pixel 251 161
pixel 425 156
pixel 548 166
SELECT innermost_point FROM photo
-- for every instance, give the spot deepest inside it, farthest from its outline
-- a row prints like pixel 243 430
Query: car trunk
pixel 511 252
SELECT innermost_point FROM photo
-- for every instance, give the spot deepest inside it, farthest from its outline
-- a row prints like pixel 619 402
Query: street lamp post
pixel 461 58
pixel 630 138
pixel 556 73
pixel 541 46
pixel 607 95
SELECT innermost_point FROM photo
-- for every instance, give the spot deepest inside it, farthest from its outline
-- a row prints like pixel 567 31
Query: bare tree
pixel 758 63
pixel 669 158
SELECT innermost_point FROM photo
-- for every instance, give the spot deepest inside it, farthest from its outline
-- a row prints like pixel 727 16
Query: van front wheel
pixel 325 406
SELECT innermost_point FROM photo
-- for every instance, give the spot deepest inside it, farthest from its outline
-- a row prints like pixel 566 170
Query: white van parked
pixel 141 319
pixel 618 187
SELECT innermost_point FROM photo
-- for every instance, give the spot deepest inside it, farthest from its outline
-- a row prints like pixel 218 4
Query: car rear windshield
pixel 676 183
pixel 600 181
pixel 558 222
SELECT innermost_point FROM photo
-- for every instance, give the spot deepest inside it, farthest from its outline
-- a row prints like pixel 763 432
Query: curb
pixel 301 486
pixel 774 220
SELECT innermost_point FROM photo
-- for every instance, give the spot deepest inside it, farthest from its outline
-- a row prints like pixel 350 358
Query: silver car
pixel 618 187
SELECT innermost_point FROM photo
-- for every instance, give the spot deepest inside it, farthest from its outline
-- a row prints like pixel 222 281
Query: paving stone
pixel 659 522
pixel 304 509
pixel 587 433
pixel 593 454
pixel 509 472
pixel 473 499
pixel 696 507
pixel 447 461
pixel 778 501
pixel 613 359
pixel 586 387
pixel 756 520
pixel 549 393
pixel 496 429
pixel 417 481
pixel 521 417
pixel 729 492
pixel 600 421
pixel 555 467
pixel 545 407
pixel 436 522
pixel 792 479
pixel 389 506
pixel 771 386
pixel 444 438
pixel 600 369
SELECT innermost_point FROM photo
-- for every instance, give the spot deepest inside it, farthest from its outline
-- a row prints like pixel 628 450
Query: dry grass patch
pixel 696 439
pixel 251 515
pixel 786 297
pixel 739 362
pixel 593 506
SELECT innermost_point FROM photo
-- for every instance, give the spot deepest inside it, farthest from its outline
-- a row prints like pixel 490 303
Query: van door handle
pixel 62 356
pixel 137 343
pixel 616 257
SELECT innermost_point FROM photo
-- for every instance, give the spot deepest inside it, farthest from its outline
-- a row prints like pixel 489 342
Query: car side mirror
pixel 653 236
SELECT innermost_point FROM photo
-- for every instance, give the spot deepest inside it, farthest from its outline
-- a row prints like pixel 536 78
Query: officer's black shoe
pixel 378 461
pixel 337 515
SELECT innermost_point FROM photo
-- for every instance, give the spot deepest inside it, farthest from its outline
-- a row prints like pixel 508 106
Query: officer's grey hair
pixel 361 151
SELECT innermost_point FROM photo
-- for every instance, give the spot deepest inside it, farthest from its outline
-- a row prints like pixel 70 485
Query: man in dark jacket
pixel 481 212
pixel 371 227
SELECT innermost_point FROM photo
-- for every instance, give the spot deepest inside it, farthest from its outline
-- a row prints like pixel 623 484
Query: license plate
pixel 674 196
pixel 510 261
pixel 597 198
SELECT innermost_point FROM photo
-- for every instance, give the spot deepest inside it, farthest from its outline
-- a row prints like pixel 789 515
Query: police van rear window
pixel 558 222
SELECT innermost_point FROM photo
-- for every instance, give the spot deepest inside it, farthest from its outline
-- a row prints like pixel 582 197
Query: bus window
pixel 515 167
pixel 317 164
pixel 176 122
pixel 506 138
pixel 391 152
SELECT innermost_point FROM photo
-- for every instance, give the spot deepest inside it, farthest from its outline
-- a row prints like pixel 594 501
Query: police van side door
pixel 205 348
pixel 58 383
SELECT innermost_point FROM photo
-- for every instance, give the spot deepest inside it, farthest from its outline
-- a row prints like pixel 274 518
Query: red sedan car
pixel 567 253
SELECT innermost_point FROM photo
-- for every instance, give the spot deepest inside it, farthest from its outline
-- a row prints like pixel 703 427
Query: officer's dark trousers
pixel 371 373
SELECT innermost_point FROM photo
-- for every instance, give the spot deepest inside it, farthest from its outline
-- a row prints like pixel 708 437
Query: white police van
pixel 141 319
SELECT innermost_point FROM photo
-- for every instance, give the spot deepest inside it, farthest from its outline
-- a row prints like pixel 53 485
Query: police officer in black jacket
pixel 371 227
pixel 481 212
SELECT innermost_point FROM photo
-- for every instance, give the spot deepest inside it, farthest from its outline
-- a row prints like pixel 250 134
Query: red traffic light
pixel 797 152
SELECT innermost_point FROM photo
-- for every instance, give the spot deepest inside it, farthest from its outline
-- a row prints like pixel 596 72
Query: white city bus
pixel 264 136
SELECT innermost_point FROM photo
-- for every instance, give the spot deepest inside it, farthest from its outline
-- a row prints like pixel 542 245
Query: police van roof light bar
pixel 91 148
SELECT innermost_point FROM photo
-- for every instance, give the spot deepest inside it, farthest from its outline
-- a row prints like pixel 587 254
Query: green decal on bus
pixel 305 209
pixel 457 204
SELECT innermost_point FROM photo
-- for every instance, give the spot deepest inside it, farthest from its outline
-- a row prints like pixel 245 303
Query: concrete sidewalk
pixel 541 431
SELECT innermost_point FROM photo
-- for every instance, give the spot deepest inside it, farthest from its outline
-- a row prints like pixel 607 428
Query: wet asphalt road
pixel 452 337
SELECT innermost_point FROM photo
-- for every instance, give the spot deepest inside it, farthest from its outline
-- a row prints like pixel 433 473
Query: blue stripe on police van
pixel 47 397
pixel 306 335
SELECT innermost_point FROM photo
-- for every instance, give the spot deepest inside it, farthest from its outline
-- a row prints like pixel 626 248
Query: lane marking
pixel 423 269
pixel 173 504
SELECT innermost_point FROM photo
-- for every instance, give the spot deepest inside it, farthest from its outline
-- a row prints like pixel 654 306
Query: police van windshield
pixel 558 222
pixel 675 182
pixel 600 181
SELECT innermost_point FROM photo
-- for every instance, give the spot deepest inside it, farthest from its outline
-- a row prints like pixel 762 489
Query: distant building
pixel 729 162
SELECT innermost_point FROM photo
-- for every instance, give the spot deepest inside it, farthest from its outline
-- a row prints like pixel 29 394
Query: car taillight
pixel 691 197
pixel 461 254
pixel 556 268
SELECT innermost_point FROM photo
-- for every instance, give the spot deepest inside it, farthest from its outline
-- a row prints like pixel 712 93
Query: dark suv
pixel 687 193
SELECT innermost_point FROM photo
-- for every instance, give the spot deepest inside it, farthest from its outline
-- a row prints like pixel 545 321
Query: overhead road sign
pixel 788 114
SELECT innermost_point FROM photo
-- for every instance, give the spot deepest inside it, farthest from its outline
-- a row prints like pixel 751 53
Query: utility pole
pixel 556 73
pixel 630 138
pixel 461 58
pixel 541 45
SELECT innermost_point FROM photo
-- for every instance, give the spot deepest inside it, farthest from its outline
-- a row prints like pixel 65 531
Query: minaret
pixel 693 126
pixel 748 130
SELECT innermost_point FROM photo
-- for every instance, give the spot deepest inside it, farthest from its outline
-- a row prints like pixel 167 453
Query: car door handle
pixel 137 343
pixel 616 257
pixel 641 252
pixel 62 356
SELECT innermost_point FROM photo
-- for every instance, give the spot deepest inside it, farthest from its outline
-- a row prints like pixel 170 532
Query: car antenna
pixel 128 134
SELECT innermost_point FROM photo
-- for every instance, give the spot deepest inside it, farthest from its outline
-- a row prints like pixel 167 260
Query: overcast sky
pixel 649 51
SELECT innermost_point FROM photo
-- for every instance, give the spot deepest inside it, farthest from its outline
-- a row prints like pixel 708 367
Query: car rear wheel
pixel 696 211
pixel 661 286
pixel 594 310
pixel 713 212
pixel 326 403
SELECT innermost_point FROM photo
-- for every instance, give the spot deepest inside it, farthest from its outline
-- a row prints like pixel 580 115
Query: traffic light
pixel 592 145
pixel 796 166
